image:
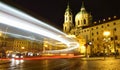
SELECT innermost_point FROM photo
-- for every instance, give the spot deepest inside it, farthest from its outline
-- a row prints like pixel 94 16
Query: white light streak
pixel 12 17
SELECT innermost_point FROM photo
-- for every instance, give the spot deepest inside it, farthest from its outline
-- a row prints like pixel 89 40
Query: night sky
pixel 52 11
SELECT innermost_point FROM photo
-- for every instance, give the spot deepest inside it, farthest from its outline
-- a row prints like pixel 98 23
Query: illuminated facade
pixel 90 35
pixel 29 46
pixel 50 44
pixel 9 44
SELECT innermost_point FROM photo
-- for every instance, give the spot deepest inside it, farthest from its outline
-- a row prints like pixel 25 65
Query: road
pixel 63 64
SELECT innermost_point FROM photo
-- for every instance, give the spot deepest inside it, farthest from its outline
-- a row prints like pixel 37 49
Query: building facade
pixel 10 44
pixel 91 35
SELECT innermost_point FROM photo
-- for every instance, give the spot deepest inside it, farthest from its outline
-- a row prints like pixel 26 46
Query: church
pixel 95 38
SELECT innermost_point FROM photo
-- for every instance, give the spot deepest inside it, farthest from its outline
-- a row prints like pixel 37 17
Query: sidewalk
pixel 98 58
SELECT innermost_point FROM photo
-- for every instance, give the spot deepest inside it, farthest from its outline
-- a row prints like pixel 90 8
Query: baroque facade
pixel 90 35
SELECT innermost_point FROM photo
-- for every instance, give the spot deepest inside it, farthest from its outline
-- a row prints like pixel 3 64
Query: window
pixel 96 27
pixel 97 33
pixel 92 28
pixel 116 38
pixel 114 29
pixel 65 28
pixel 101 26
pixel 107 24
pixel 84 21
pixel 97 38
pixel 70 18
pixel 114 23
pixel 78 22
pixel 92 34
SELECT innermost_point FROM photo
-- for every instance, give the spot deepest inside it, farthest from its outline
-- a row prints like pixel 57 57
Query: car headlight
pixel 21 56
pixel 16 56
pixel 13 55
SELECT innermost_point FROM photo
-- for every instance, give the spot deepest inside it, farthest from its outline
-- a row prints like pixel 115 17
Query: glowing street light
pixel 22 47
pixel 106 33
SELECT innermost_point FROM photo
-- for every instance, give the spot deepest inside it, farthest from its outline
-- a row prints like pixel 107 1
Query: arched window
pixel 84 21
pixel 70 18
pixel 78 22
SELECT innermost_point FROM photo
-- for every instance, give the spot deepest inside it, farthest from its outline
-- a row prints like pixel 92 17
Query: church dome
pixel 82 13
pixel 81 18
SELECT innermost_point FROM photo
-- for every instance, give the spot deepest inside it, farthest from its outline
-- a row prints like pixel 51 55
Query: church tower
pixel 68 20
pixel 82 18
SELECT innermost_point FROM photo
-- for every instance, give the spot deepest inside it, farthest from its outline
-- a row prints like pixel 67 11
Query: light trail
pixel 20 36
pixel 12 17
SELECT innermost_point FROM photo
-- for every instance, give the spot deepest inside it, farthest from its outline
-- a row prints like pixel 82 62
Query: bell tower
pixel 68 20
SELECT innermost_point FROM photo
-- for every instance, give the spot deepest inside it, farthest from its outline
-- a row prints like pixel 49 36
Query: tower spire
pixel 68 7
pixel 82 5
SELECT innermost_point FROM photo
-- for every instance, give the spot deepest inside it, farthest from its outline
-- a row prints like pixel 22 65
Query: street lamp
pixel 23 48
pixel 106 34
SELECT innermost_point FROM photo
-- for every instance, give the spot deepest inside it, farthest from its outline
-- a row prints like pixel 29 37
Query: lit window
pixel 114 23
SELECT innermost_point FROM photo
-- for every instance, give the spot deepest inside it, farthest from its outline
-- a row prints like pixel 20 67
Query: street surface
pixel 63 64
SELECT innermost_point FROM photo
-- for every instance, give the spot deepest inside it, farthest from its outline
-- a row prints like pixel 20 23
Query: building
pixel 50 44
pixel 90 35
pixel 10 44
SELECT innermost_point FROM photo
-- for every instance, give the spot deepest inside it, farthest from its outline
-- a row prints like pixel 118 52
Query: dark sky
pixel 53 10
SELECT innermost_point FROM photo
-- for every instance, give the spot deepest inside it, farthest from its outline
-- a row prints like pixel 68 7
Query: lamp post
pixel 106 35
pixel 91 45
